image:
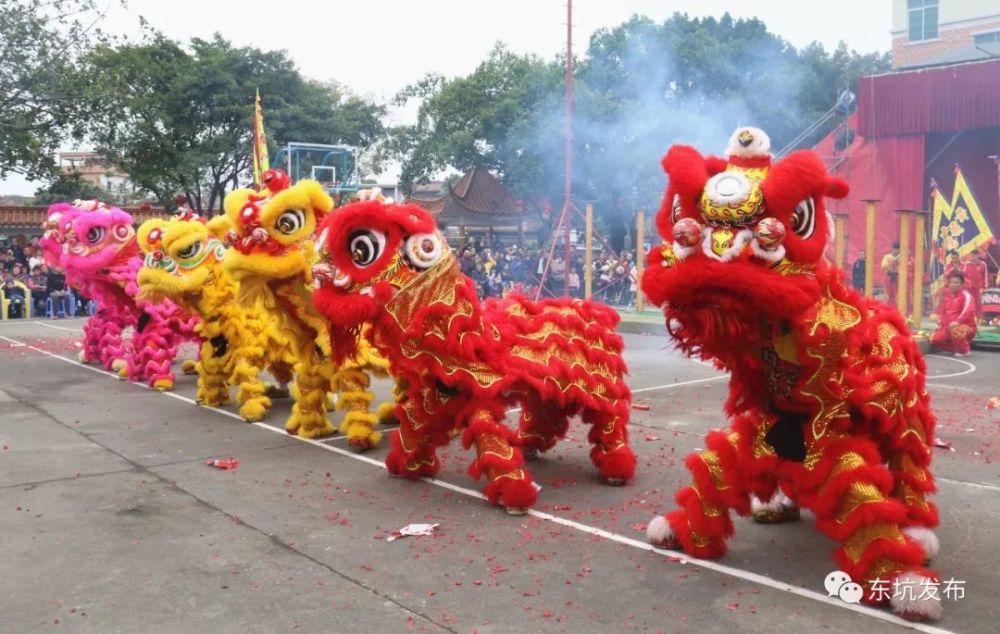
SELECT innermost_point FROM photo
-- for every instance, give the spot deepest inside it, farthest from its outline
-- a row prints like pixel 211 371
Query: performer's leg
pixel 252 394
pixel 608 434
pixel 941 339
pixel 962 345
pixel 412 453
pixel 702 523
pixel 539 427
pixel 355 399
pixel 852 505
pixel 312 380
pixel 213 388
pixel 91 351
pixel 509 483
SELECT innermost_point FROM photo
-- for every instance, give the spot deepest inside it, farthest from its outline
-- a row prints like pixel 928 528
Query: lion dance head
pixel 180 257
pixel 368 251
pixel 96 237
pixel 744 239
pixel 271 231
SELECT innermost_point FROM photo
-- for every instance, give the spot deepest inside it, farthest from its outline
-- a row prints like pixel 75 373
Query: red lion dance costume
pixel 462 363
pixel 827 397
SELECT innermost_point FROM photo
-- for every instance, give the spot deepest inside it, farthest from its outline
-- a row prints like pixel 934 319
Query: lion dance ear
pixel 218 226
pixel 319 200
pixel 688 172
pixel 837 187
pixel 146 230
pixel 234 202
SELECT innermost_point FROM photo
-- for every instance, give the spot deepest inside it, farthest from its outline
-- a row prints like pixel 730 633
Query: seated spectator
pixel 37 282
pixel 15 293
pixel 55 283
pixel 34 257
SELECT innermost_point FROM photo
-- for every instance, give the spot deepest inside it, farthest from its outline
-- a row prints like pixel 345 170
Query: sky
pixel 376 47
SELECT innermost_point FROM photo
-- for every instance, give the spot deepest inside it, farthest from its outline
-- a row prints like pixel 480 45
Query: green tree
pixel 40 45
pixel 70 187
pixel 179 118
pixel 469 121
pixel 640 87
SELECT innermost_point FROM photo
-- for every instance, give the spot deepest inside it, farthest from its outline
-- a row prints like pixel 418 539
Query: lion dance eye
pixel 290 221
pixel 189 251
pixel 122 233
pixel 424 250
pixel 365 246
pixel 95 234
pixel 804 218
pixel 675 210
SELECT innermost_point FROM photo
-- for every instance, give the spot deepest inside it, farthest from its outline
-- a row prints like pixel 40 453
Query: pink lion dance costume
pixel 101 259
pixel 827 403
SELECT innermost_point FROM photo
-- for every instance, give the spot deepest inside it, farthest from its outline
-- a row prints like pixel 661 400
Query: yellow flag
pixel 261 163
pixel 976 230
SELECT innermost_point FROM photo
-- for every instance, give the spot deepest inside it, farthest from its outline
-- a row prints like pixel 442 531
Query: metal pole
pixel 918 268
pixel 840 239
pixel 588 266
pixel 568 197
pixel 640 242
pixel 903 288
pixel 870 246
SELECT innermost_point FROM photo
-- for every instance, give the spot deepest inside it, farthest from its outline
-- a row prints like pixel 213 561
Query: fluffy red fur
pixel 464 361
pixel 827 394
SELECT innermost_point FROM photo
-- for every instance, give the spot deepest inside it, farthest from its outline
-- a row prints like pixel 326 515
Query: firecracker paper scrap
pixel 223 463
pixel 412 530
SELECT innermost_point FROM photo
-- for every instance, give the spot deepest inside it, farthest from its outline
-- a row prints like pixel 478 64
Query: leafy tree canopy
pixel 178 118
pixel 40 45
pixel 639 87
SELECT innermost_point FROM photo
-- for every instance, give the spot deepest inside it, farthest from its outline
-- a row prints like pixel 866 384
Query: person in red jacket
pixel 975 280
pixel 956 318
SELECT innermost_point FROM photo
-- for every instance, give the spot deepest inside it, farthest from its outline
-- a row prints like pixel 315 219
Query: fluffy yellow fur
pixel 184 263
pixel 278 276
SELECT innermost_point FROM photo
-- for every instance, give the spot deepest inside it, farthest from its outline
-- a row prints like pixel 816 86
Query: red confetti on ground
pixel 651 438
pixel 642 406
pixel 733 606
pixel 223 463
pixel 641 527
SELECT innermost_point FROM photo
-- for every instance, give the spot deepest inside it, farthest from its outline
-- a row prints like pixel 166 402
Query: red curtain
pixel 930 100
pixel 890 170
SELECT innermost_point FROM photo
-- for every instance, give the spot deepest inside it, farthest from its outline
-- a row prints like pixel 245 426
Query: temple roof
pixel 477 198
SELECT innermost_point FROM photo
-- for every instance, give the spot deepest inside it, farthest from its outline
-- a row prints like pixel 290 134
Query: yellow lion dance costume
pixel 183 263
pixel 271 259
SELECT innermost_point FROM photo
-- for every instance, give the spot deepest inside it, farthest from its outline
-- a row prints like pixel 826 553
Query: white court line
pixel 15 322
pixel 55 327
pixel 969 370
pixel 658 387
pixel 680 383
pixel 746 575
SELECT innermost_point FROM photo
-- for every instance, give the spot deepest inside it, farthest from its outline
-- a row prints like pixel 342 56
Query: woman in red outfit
pixel 957 317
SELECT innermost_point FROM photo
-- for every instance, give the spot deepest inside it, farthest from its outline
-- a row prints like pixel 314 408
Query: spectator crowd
pixel 498 268
pixel 23 269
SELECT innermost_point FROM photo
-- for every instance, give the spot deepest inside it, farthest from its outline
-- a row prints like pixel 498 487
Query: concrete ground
pixel 111 522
